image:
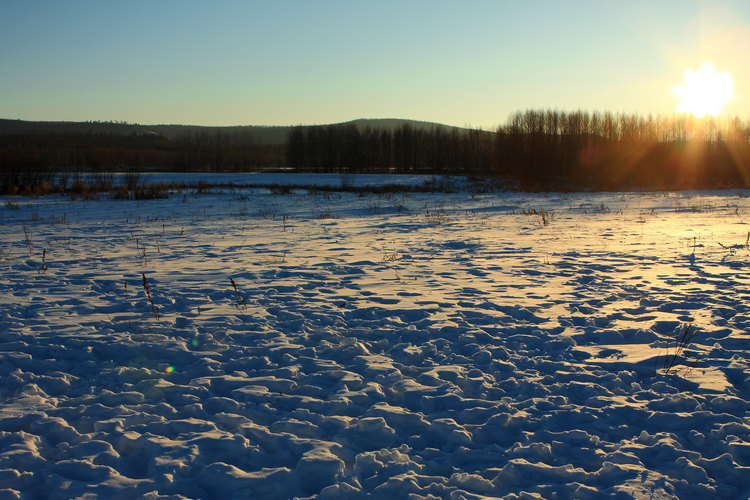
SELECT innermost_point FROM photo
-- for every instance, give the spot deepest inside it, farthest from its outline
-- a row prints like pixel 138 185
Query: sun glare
pixel 704 92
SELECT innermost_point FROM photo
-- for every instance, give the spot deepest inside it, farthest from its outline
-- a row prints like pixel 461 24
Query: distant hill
pixel 396 123
pixel 262 135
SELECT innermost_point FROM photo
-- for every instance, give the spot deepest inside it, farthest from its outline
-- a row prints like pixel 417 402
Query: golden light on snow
pixel 704 92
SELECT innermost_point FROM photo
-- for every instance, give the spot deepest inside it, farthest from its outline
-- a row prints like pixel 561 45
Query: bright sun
pixel 704 92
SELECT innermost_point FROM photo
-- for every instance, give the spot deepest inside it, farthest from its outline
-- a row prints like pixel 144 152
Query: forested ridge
pixel 533 150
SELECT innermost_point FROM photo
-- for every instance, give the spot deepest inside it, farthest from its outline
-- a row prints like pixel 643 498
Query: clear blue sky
pixel 281 62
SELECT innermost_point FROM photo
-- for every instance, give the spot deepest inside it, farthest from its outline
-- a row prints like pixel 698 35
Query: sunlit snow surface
pixel 451 345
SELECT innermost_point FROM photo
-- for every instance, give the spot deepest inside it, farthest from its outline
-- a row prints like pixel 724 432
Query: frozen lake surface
pixel 244 344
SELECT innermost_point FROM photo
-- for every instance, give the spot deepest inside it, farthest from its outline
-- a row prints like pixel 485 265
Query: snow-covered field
pixel 343 346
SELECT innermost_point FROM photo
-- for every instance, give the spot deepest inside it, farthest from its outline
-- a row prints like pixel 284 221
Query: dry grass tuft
pixel 676 356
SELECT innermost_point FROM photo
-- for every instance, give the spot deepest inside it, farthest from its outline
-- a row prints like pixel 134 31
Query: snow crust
pixel 380 346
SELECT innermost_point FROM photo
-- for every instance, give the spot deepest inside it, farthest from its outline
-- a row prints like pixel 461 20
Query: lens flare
pixel 169 369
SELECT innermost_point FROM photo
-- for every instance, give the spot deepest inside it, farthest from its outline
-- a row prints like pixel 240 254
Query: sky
pixel 284 62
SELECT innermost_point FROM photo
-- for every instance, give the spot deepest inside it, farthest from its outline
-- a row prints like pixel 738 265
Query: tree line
pixel 535 149
pixel 405 150
pixel 544 150
pixel 195 150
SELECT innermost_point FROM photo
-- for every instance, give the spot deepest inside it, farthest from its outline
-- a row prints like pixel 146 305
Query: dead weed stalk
pixel 147 288
pixel 240 299
pixel 27 236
